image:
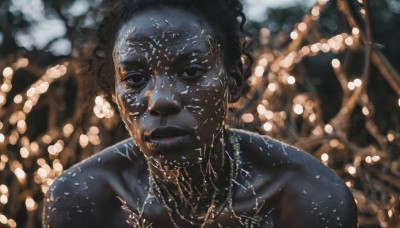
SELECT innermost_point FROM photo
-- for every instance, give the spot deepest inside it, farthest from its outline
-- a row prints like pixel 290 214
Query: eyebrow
pixel 131 60
pixel 141 60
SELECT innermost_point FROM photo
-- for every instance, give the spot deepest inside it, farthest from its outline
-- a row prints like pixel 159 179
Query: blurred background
pixel 325 79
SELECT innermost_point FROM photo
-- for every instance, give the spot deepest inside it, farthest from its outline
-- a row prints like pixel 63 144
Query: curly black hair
pixel 226 17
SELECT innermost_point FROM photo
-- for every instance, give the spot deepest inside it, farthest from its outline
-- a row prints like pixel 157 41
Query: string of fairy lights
pixel 53 142
pixel 29 166
pixel 277 118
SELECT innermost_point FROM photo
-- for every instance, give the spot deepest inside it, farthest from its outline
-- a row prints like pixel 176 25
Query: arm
pixel 321 200
pixel 79 199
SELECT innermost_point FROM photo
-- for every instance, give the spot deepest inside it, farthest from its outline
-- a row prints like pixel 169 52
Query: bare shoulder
pixel 306 192
pixel 85 194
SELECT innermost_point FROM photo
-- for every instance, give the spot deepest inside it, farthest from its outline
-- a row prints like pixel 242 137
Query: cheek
pixel 209 104
pixel 131 105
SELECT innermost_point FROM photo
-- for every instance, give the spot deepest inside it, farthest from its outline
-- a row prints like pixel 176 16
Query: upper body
pixel 176 67
pixel 276 186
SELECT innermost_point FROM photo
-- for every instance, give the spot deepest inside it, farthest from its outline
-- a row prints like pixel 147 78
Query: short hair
pixel 225 17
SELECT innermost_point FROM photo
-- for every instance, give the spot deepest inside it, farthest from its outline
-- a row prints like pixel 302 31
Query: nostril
pixel 164 106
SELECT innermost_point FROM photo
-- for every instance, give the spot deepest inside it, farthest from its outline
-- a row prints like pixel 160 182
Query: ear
pixel 235 82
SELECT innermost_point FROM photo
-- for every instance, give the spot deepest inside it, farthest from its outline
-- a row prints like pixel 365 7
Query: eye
pixel 135 79
pixel 192 73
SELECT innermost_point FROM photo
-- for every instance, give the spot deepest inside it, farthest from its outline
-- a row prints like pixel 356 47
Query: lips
pixel 167 138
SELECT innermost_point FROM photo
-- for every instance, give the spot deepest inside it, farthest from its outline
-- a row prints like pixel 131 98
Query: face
pixel 171 85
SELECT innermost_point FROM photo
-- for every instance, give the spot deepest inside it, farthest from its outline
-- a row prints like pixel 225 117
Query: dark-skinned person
pixel 173 67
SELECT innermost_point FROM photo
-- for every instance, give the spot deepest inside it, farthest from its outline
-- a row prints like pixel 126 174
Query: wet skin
pixel 172 88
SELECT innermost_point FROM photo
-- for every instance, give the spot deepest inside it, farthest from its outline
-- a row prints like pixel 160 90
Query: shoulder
pixel 307 193
pixel 85 190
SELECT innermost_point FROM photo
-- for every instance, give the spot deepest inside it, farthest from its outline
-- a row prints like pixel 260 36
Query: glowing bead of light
pixel 43 87
pixel 351 170
pixel 3 189
pixel 368 159
pixel 294 35
pixel 84 140
pixel 30 204
pixel 6 88
pixel 31 92
pixel 21 124
pixel 312 117
pixel 399 102
pixel 334 143
pixel 355 31
pixel 27 106
pixel 46 139
pixel 18 99
pixel 42 173
pixel 324 157
pixel 376 158
pixel 351 86
pixel 20 174
pixel 357 82
pixel 261 109
pixel 291 80
pixel 298 109
pixel 390 213
pixel 22 62
pixel 3 199
pixel 94 130
pixel 365 111
pixel 2 138
pixel 68 129
pixel 259 71
pixel 247 117
pixel 11 223
pixel 349 41
pixel 314 48
pixel 59 146
pixel 302 27
pixel 4 158
pixel 52 150
pixel 390 137
pixel 269 115
pixel 3 219
pixel 267 126
pixel 58 167
pixel 325 48
pixel 41 162
pixel 272 87
pixel 24 152
pixel 98 100
pixel 263 62
pixel 315 11
pixel 34 146
pixel 8 72
pixel 2 100
pixel 335 63
pixel 328 128
pixel 305 50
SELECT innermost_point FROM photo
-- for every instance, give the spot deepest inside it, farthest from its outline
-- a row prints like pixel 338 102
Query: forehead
pixel 172 28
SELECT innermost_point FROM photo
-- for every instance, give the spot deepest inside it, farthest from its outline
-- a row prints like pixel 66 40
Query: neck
pixel 198 179
pixel 199 190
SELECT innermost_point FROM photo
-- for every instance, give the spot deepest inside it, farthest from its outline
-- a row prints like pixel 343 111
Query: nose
pixel 163 101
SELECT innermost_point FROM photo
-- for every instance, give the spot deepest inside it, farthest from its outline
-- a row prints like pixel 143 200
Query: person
pixel 173 67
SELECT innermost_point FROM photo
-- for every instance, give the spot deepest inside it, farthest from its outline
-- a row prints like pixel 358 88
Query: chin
pixel 163 163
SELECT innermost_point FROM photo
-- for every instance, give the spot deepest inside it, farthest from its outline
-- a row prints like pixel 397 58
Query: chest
pixel 153 213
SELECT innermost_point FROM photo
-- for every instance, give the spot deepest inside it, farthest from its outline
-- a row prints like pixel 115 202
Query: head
pixel 175 67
